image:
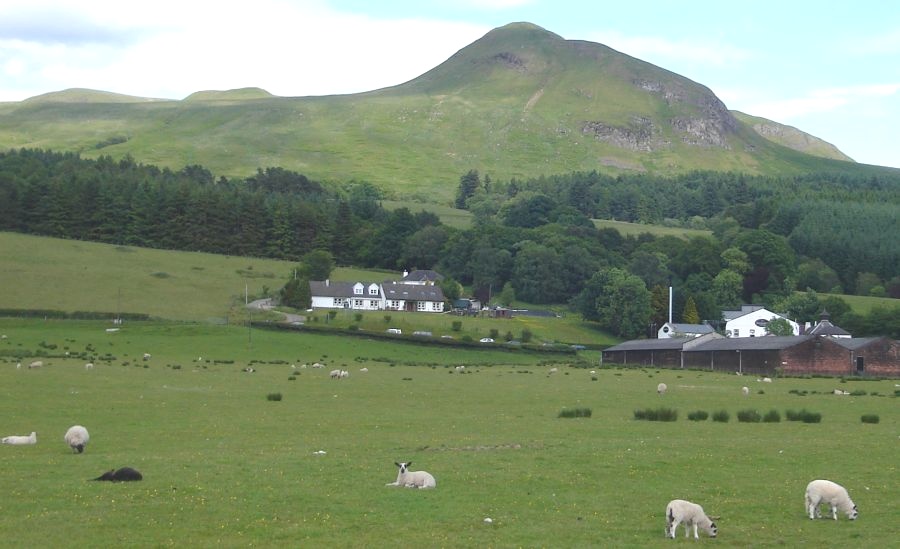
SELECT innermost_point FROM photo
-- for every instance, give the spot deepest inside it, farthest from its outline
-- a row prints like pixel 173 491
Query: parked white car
pixel 486 340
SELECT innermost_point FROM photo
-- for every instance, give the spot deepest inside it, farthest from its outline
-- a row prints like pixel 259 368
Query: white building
pixel 751 321
pixel 674 329
pixel 371 296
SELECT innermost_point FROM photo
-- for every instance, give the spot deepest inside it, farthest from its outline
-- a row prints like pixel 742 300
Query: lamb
pixel 77 438
pixel 344 374
pixel 745 390
pixel 412 479
pixel 825 491
pixel 679 511
pixel 661 388
pixel 125 474
pixel 19 440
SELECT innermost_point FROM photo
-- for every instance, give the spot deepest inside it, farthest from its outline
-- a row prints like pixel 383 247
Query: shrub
pixel 870 418
pixel 358 317
pixel 659 414
pixel 812 417
pixel 526 335
pixel 456 325
pixel 495 333
pixel 772 416
pixel 575 412
pixel 749 416
pixel 857 393
pixel 292 378
pixel 721 416
pixel 699 415
pixel 275 397
pixel 387 319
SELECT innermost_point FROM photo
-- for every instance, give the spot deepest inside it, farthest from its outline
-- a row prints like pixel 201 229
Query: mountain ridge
pixel 519 102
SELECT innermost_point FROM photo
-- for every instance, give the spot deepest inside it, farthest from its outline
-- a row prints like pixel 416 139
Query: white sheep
pixel 553 370
pixel 19 440
pixel 36 364
pixel 89 366
pixel 147 356
pixel 363 370
pixel 661 388
pixel 318 365
pixel 745 391
pixel 767 380
pixel 335 374
pixel 412 479
pixel 344 374
pixel 77 438
pixel 460 368
pixel 835 495
pixel 679 511
pixel 840 392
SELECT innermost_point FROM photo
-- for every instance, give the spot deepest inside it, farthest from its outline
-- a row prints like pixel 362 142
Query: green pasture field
pixel 863 304
pixel 453 217
pixel 565 329
pixel 225 467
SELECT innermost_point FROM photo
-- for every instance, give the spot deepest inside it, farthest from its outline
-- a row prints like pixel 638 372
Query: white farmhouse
pixel 371 296
pixel 751 321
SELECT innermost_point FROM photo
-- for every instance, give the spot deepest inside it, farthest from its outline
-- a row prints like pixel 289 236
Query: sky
pixel 831 69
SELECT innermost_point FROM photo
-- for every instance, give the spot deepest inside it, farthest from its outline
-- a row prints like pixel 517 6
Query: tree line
pixel 531 240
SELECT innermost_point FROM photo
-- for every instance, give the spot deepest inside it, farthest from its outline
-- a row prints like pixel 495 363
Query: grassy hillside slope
pixel 519 102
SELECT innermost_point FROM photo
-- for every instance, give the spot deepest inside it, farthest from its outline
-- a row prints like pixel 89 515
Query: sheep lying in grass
pixel 835 495
pixel 412 479
pixel 125 474
pixel 679 511
pixel 19 440
pixel 77 438
pixel 661 388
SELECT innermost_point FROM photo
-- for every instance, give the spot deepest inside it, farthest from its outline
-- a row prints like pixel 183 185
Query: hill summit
pixel 519 102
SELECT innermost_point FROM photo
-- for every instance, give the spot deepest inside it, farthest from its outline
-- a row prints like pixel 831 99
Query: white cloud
pixel 822 101
pixel 666 52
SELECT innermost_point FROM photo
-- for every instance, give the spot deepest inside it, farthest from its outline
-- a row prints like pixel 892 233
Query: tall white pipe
pixel 670 304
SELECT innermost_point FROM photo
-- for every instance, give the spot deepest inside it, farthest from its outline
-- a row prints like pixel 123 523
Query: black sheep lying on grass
pixel 121 475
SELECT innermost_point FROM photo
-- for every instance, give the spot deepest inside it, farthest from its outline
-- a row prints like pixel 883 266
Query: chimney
pixel 326 282
pixel 670 304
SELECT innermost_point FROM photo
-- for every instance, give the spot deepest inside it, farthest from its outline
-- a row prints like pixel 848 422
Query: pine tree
pixel 690 314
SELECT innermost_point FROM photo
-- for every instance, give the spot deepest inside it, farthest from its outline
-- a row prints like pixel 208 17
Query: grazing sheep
pixel 318 365
pixel 36 364
pixel 745 391
pixel 835 495
pixel 345 374
pixel 249 369
pixel 125 474
pixel 19 440
pixel 839 392
pixel 147 356
pixel 335 374
pixel 89 366
pixel 412 479
pixel 77 438
pixel 767 380
pixel 679 511
pixel 18 365
pixel 661 388
pixel 363 370
pixel 553 370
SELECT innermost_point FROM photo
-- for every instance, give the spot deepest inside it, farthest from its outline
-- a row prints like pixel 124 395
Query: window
pixel 420 305
pixel 752 332
pixel 357 303
pixel 737 333
pixel 338 302
pixel 358 290
pixel 395 304
pixel 373 304
pixel 373 290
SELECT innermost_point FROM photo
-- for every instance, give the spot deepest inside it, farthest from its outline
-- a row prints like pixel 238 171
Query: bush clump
pixel 575 412
pixel 275 397
pixel 772 416
pixel 721 416
pixel 870 418
pixel 699 415
pixel 749 416
pixel 803 415
pixel 659 414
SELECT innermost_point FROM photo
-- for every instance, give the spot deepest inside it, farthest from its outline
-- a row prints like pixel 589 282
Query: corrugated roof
pixel 663 344
pixel 766 343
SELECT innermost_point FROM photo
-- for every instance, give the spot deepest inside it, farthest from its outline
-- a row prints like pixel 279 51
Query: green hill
pixel 519 102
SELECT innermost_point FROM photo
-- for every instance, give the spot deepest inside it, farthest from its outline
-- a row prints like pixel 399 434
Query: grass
pixel 224 467
pixel 635 229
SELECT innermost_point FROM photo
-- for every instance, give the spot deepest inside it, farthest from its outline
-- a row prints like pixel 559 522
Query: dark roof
pixel 331 288
pixel 745 309
pixel 766 343
pixel 854 343
pixel 826 328
pixel 662 344
pixel 412 292
pixel 423 275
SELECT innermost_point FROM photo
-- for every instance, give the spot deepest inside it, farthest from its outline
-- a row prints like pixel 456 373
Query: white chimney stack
pixel 670 304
